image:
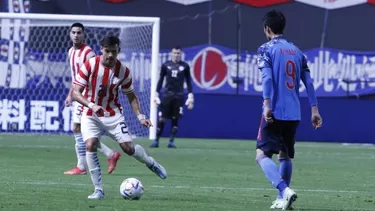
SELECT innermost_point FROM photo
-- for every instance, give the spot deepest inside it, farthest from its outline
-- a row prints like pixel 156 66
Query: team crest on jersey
pixel 79 60
pixel 181 68
pixel 261 63
pixel 169 67
pixel 115 80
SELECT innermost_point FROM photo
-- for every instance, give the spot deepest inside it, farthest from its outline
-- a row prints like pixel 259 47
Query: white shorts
pixel 77 112
pixel 115 127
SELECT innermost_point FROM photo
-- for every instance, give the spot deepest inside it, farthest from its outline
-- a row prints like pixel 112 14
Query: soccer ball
pixel 131 189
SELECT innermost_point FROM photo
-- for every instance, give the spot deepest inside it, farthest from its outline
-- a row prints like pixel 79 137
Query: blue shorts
pixel 277 136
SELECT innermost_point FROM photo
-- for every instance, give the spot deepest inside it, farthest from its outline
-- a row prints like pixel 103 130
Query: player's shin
pixel 141 155
pixel 80 151
pixel 286 169
pixel 105 150
pixel 173 130
pixel 93 164
pixel 271 171
pixel 159 130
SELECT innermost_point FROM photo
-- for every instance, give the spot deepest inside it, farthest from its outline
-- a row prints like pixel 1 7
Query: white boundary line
pixel 48 183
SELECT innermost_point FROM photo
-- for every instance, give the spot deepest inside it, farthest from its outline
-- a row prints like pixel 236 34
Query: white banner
pixel 332 4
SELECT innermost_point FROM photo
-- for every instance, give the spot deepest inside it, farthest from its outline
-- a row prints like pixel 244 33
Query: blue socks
pixel 271 171
pixel 286 169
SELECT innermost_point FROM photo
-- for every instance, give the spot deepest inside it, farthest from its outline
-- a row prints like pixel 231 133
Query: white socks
pixel 94 168
pixel 105 150
pixel 141 156
pixel 80 151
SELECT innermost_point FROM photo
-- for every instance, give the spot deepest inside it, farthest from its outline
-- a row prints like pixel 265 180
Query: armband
pixel 90 105
pixel 141 117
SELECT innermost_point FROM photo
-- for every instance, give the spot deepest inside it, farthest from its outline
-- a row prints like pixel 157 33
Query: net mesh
pixel 35 74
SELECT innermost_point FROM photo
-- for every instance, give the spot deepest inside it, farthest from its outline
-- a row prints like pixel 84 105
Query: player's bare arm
pixel 316 119
pixel 68 100
pixel 77 95
pixel 134 103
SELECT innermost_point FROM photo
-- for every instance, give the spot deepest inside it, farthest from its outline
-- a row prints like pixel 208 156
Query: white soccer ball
pixel 131 189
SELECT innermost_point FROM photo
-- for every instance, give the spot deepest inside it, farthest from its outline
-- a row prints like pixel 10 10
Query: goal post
pixel 35 73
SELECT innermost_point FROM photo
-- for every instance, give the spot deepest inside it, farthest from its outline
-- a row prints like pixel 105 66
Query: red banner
pixel 262 3
pixel 116 1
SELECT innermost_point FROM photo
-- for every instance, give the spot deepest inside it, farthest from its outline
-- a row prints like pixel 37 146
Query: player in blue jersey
pixel 283 66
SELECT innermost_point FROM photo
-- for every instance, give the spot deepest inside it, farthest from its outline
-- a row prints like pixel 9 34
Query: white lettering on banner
pixel 328 69
pixel 330 74
pixel 44 115
pixel 12 112
pixel 188 2
pixel 67 116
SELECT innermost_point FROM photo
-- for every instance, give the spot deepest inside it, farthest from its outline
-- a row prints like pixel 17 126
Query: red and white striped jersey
pixel 103 83
pixel 77 57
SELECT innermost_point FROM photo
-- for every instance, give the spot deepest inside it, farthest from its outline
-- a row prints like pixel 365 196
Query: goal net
pixel 35 74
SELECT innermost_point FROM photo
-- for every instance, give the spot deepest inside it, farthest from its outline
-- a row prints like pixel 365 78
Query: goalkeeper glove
pixel 190 101
pixel 157 99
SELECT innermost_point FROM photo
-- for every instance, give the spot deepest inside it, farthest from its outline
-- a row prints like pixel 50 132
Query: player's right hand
pixel 316 120
pixel 157 99
pixel 68 101
pixel 99 110
pixel 267 113
pixel 146 122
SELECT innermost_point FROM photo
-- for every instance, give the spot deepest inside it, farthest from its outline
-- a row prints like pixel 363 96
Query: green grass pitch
pixel 204 175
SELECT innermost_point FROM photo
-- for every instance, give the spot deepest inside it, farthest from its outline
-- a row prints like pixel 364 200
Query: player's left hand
pixel 316 120
pixel 190 101
pixel 146 123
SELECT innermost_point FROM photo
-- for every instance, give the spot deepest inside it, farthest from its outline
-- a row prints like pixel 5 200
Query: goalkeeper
pixel 171 107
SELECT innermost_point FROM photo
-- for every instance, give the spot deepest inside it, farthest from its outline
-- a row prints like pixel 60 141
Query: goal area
pixel 35 74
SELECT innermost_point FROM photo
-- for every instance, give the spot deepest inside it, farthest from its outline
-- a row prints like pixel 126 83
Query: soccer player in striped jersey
pixel 283 66
pixel 96 86
pixel 79 53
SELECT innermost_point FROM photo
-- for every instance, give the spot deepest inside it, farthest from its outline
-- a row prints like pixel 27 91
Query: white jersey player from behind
pixel 79 53
pixel 100 80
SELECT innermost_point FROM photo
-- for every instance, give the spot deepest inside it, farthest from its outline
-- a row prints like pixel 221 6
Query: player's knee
pixel 128 148
pixel 76 128
pixel 175 122
pixel 174 130
pixel 283 155
pixel 161 120
pixel 91 144
pixel 260 153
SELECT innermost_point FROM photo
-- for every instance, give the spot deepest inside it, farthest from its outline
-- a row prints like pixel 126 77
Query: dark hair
pixel 110 41
pixel 275 20
pixel 177 47
pixel 80 25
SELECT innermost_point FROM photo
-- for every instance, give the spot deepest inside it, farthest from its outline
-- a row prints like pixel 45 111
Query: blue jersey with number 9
pixel 287 66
